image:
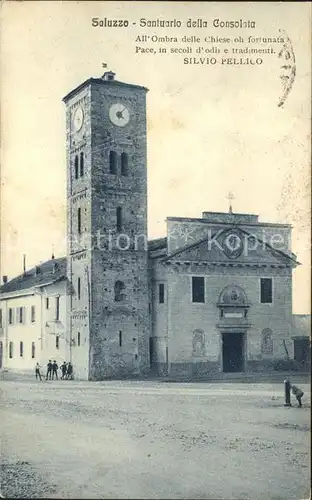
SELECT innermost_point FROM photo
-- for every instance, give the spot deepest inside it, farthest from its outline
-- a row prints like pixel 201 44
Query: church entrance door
pixel 233 352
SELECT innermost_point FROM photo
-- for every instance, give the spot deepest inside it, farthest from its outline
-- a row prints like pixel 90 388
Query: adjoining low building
pixel 301 335
pixel 33 317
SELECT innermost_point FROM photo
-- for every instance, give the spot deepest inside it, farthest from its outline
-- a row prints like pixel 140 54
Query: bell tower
pixel 108 320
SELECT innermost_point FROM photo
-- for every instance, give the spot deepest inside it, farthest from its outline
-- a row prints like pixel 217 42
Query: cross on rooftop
pixel 230 197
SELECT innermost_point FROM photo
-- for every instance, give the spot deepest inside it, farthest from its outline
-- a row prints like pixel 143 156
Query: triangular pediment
pixel 233 245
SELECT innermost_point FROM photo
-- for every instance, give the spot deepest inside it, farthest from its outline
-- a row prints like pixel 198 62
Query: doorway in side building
pixel 302 351
pixel 233 352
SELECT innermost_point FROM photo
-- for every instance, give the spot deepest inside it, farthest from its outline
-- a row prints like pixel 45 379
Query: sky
pixel 211 128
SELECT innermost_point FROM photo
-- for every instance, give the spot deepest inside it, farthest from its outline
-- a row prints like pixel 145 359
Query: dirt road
pixel 67 439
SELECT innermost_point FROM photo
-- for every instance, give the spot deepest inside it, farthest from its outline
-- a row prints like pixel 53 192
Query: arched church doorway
pixel 233 306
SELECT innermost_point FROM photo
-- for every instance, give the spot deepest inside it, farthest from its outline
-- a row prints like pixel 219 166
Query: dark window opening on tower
pixel 120 339
pixel 76 167
pixel 81 164
pixel 79 288
pixel 57 308
pixel 78 339
pixel 198 289
pixel 119 289
pixel 124 164
pixel 11 350
pixel 119 218
pixel 57 342
pixel 113 162
pixel 79 220
pixel 161 293
pixel 21 349
pixel 33 350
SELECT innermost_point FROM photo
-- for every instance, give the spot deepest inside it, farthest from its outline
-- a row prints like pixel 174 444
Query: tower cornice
pixel 101 81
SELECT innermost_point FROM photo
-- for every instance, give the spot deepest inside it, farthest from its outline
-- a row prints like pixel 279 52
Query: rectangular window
pixel 11 350
pixel 266 295
pixel 47 303
pixel 120 339
pixel 57 308
pixel 33 314
pixel 79 288
pixel 11 316
pixel 78 339
pixel 57 342
pixel 33 350
pixel 21 349
pixel 161 293
pixel 198 289
pixel 0 318
pixel 79 220
pixel 21 314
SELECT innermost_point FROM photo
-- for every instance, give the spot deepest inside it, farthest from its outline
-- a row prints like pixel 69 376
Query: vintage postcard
pixel 155 249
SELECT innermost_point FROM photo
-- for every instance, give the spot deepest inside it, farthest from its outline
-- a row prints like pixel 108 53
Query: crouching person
pixel 298 393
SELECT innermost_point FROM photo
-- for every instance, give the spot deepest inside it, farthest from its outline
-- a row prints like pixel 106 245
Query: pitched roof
pixel 50 271
pixel 157 243
pixel 263 253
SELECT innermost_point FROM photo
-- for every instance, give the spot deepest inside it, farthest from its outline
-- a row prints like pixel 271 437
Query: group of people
pixel 52 368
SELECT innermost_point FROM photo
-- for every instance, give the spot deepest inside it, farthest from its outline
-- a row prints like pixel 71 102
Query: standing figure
pixel 298 393
pixel 70 371
pixel 37 371
pixel 54 370
pixel 49 370
pixel 63 370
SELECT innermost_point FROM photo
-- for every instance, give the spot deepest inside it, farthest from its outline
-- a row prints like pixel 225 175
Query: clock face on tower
pixel 78 118
pixel 119 114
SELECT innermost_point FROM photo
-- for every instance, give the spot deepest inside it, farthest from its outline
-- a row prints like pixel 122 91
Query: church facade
pixel 213 296
pixel 223 301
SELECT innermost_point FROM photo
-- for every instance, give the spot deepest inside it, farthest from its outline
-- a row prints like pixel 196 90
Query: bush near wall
pixel 285 365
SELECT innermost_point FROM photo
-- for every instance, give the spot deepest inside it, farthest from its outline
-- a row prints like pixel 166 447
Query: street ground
pixel 135 439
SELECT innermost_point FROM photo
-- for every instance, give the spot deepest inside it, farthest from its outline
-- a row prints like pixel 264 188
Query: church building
pixel 213 296
pixel 222 302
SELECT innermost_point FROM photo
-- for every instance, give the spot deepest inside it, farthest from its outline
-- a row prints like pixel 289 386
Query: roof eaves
pixel 51 282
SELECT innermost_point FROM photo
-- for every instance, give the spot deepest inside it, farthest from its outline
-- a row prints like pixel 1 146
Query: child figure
pixel 298 393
